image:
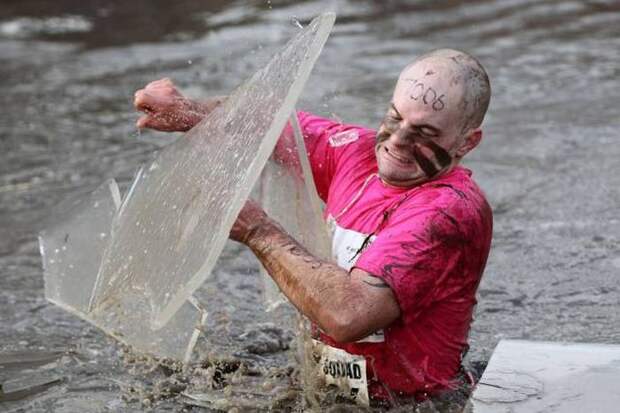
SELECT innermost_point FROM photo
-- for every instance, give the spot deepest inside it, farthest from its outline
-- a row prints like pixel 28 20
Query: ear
pixel 472 139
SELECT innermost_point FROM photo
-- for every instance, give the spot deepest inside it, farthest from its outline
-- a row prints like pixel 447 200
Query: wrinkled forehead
pixel 431 85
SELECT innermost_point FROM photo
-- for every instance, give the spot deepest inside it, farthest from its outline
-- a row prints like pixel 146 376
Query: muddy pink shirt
pixel 429 243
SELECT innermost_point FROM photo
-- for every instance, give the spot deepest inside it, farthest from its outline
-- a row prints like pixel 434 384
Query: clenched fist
pixel 166 109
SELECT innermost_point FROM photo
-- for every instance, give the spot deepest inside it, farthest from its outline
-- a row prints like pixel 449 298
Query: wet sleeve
pixel 323 160
pixel 415 256
pixel 325 156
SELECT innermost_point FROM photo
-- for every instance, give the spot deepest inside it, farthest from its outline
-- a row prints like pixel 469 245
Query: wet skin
pixel 413 148
pixel 422 135
pixel 408 154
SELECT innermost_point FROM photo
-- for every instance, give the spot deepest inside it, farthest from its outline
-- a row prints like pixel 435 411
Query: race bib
pixel 344 370
pixel 346 244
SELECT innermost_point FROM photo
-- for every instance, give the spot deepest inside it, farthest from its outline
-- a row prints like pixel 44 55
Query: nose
pixel 404 137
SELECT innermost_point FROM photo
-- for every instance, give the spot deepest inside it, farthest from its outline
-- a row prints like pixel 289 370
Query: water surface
pixel 548 164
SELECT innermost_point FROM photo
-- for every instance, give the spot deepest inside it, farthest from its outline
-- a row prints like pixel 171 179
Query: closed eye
pixel 394 114
pixel 427 131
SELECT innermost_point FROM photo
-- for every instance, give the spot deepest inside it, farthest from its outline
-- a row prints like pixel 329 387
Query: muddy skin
pixel 443 159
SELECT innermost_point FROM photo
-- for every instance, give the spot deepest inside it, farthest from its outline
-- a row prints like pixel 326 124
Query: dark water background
pixel 549 163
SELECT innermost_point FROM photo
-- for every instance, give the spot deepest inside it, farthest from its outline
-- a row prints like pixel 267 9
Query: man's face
pixel 420 136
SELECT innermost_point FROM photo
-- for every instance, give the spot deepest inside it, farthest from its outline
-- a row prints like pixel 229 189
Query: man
pixel 412 231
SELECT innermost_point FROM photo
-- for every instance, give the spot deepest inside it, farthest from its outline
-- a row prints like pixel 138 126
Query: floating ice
pixel 527 376
pixel 131 268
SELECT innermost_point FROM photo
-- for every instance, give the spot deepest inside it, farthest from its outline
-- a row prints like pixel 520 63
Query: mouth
pixel 399 157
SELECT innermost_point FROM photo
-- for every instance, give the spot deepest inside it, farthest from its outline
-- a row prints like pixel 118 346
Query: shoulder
pixel 338 133
pixel 457 190
pixel 454 200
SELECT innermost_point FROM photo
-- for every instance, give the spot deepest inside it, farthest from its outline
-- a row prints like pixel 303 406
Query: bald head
pixel 463 76
pixel 433 121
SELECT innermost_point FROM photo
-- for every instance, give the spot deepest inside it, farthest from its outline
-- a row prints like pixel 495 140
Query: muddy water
pixel 548 163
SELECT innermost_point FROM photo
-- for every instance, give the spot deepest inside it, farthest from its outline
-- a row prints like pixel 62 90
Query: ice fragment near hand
pixel 288 194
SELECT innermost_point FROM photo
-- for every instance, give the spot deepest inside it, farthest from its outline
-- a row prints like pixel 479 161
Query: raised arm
pixel 168 110
pixel 346 306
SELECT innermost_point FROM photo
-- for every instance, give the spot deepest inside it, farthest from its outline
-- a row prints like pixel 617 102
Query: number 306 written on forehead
pixel 428 94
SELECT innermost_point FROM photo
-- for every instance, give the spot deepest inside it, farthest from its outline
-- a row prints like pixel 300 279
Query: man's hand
pixel 168 110
pixel 248 222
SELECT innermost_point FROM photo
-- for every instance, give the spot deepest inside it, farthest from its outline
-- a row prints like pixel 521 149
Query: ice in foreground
pixel 287 193
pixel 131 267
pixel 72 251
pixel 526 376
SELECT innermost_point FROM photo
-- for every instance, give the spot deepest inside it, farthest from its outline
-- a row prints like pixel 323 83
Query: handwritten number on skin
pixel 426 98
pixel 439 104
pixel 419 88
pixel 429 95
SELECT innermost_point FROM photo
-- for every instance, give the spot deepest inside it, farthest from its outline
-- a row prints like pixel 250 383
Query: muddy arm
pixel 346 306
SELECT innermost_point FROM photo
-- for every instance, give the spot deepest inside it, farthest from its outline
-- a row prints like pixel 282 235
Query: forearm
pixel 347 306
pixel 319 289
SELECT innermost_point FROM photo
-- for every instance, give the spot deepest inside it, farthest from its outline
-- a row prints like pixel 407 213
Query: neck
pixel 417 182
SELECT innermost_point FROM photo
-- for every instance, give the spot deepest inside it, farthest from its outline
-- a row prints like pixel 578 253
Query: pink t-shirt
pixel 429 243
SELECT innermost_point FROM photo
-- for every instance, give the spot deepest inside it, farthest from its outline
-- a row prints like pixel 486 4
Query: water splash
pixel 295 21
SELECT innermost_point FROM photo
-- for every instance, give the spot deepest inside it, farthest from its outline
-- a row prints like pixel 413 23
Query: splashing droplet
pixel 296 22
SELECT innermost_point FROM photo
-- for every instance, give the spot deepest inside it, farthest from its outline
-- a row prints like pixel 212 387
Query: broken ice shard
pixel 72 250
pixel 288 194
pixel 181 208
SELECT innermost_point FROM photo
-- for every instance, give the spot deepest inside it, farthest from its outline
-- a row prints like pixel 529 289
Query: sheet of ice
pixel 72 250
pixel 173 224
pixel 288 194
pixel 525 376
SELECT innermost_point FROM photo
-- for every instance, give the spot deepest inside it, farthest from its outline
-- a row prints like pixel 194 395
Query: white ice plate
pixel 526 376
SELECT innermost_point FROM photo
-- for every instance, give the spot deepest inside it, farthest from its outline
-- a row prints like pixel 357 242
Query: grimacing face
pixel 421 135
